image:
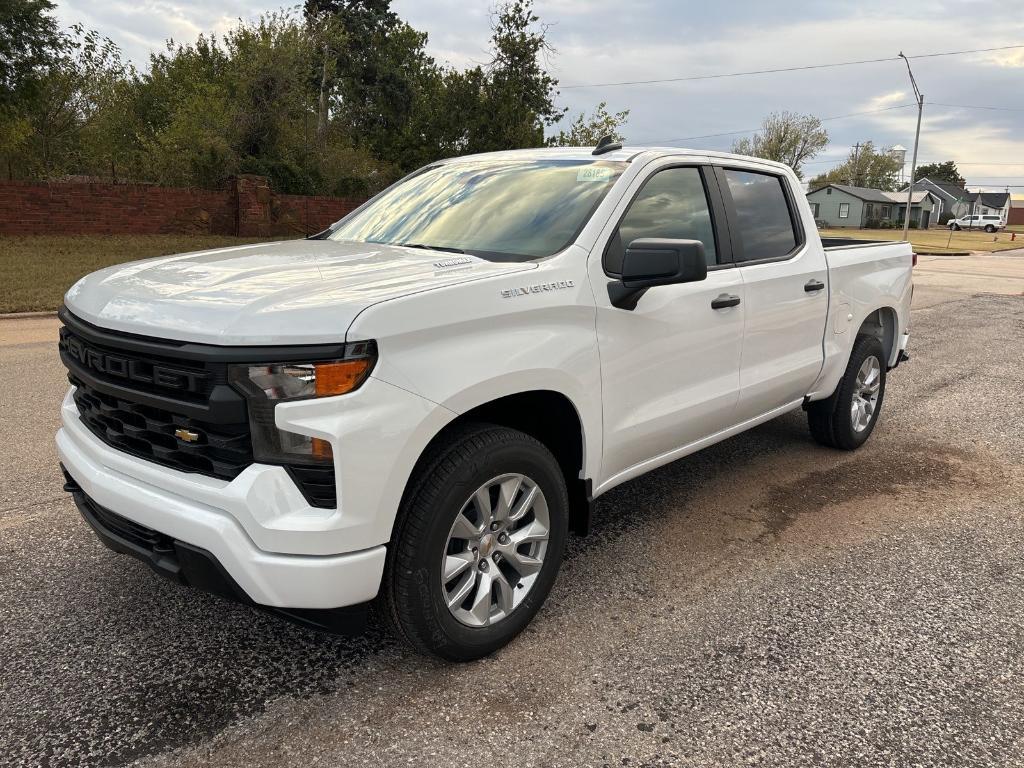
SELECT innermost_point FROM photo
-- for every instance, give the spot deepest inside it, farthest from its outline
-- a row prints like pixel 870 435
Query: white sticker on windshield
pixel 594 173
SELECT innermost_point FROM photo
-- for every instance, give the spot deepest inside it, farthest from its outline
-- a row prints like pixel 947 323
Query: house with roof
pixel 954 202
pixel 1016 215
pixel 842 205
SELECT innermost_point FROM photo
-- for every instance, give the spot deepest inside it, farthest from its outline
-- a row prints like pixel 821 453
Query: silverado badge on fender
pixel 508 293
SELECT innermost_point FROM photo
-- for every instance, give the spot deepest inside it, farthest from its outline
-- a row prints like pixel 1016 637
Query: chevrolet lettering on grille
pixel 140 371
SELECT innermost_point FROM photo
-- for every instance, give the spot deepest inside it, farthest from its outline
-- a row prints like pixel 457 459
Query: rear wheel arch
pixel 883 324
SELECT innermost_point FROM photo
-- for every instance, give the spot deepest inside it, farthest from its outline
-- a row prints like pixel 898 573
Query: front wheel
pixel 955 227
pixel 478 543
pixel 990 229
pixel 847 418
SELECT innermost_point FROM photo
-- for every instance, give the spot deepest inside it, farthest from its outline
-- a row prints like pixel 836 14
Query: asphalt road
pixel 764 602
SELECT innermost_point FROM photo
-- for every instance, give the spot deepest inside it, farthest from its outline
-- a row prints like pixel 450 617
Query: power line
pixel 977 106
pixel 786 69
pixel 758 130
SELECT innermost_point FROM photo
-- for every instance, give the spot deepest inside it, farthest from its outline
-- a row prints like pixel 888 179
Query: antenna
pixel 606 144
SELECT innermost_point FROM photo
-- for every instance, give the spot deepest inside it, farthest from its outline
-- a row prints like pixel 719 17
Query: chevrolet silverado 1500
pixel 418 404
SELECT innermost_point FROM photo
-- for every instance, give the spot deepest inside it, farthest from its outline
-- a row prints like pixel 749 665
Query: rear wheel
pixel 478 543
pixel 989 228
pixel 847 418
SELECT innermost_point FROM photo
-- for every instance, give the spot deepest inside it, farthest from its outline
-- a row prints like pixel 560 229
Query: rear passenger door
pixel 785 281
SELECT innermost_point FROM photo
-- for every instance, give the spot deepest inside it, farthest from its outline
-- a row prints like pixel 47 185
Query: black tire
pixel 955 227
pixel 830 419
pixel 989 228
pixel 413 595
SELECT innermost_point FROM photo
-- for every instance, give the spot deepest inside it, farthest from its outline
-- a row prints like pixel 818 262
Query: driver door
pixel 670 366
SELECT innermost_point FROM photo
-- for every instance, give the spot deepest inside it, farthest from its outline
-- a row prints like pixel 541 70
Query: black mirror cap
pixel 653 261
pixel 649 262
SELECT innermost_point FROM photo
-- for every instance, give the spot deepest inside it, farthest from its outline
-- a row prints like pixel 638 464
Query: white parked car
pixel 988 222
pixel 420 403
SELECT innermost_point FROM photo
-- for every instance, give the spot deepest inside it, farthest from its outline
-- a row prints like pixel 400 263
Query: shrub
pixel 285 177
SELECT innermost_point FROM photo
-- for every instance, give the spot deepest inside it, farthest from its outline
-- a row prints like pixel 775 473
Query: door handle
pixel 813 285
pixel 724 301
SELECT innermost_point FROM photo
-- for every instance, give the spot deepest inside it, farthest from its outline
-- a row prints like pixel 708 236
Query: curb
pixel 26 315
pixel 946 253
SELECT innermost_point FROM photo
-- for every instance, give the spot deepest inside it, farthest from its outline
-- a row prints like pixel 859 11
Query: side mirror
pixel 650 262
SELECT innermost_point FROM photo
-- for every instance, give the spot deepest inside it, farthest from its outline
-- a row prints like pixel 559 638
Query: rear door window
pixel 763 216
pixel 672 204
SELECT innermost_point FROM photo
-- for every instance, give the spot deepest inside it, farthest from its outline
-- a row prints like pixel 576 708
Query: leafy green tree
pixel 864 167
pixel 70 93
pixel 587 131
pixel 340 100
pixel 519 93
pixel 371 65
pixel 28 42
pixel 786 137
pixel 946 171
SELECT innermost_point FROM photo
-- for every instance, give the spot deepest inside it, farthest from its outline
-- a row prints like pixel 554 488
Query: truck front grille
pixel 170 402
pixel 222 450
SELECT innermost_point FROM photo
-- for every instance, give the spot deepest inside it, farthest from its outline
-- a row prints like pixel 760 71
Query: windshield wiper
pixel 431 247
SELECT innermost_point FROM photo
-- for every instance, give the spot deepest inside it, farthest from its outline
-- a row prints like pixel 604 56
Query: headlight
pixel 267 384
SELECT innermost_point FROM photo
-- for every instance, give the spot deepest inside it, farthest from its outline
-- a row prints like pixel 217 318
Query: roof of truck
pixel 625 154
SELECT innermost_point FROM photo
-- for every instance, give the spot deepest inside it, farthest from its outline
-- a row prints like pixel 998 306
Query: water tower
pixel 899 152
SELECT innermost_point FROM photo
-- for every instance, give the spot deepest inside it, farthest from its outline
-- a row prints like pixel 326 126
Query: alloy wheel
pixel 865 393
pixel 495 550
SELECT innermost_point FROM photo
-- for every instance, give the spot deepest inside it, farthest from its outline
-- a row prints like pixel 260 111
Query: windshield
pixel 502 210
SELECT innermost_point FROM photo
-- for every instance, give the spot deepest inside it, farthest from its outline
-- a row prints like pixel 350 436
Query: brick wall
pixel 246 207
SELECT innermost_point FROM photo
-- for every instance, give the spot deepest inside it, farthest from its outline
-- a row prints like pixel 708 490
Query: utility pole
pixel 854 170
pixel 919 98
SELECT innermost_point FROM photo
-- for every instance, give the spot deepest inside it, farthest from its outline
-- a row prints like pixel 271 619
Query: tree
pixel 786 137
pixel 370 71
pixel 519 93
pixel 70 94
pixel 28 42
pixel 587 131
pixel 864 167
pixel 946 171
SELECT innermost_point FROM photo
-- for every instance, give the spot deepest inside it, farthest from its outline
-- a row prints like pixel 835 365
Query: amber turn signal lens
pixel 340 377
pixel 321 449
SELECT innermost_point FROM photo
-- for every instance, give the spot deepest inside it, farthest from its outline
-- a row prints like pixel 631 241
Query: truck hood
pixel 296 291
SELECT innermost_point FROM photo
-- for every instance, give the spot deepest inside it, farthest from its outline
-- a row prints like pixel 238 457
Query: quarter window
pixel 763 215
pixel 844 210
pixel 672 204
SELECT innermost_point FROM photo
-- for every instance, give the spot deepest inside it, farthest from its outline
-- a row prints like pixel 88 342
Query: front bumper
pixel 195 567
pixel 203 512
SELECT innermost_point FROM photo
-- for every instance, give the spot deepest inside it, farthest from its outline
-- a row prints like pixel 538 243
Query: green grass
pixel 936 240
pixel 36 271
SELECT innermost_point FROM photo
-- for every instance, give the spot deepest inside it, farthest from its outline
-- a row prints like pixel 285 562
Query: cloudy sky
pixel 610 41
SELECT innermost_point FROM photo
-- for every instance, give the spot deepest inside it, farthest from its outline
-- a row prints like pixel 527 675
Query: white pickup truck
pixel 418 404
